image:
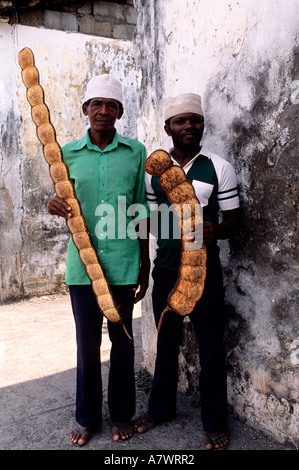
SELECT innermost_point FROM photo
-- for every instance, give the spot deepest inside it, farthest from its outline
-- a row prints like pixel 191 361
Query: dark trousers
pixel 208 321
pixel 121 387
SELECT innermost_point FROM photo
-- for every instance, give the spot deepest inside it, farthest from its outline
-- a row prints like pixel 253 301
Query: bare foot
pixel 143 423
pixel 216 440
pixel 121 431
pixel 80 435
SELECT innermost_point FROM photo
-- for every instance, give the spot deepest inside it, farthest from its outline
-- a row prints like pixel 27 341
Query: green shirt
pixel 107 182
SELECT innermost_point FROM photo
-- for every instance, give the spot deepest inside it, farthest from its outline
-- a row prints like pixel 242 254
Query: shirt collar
pixel 86 142
pixel 186 167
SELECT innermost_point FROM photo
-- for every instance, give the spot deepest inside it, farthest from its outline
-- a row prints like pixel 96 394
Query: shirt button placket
pixel 102 196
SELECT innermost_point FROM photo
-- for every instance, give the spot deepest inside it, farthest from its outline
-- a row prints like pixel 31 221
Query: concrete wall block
pixel 123 31
pixel 120 13
pixel 59 20
pixel 108 9
pixel 89 25
pixel 131 14
pixel 6 11
pixel 85 9
pixel 32 18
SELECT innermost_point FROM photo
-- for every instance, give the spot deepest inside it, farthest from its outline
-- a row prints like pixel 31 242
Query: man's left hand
pixel 142 284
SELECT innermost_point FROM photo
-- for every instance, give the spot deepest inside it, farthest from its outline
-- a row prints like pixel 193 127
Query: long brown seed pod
pixel 192 270
pixel 64 188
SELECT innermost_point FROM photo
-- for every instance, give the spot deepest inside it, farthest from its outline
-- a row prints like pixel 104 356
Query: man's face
pixel 102 113
pixel 186 129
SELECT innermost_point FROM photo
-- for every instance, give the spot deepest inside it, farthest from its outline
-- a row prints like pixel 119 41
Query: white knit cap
pixel 104 86
pixel 185 103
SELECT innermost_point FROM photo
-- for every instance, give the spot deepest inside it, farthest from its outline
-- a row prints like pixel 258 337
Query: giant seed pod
pixel 192 271
pixel 64 187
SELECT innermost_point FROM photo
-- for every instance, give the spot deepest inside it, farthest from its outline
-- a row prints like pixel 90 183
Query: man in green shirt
pixel 107 171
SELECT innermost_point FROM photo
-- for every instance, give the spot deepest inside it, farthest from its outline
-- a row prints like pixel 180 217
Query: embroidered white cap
pixel 104 86
pixel 184 103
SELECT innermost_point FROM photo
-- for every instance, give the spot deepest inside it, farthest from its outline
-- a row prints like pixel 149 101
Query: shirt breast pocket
pixel 125 186
pixel 203 191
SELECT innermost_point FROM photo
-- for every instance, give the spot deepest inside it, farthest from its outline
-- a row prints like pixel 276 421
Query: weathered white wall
pixel 242 57
pixel 33 244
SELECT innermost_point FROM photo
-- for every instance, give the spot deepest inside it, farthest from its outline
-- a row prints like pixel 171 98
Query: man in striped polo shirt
pixel 215 184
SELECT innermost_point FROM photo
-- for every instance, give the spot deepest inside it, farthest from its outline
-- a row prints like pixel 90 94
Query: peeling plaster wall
pixel 242 57
pixel 32 243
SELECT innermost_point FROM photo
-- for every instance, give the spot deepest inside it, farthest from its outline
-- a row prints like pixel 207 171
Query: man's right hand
pixel 58 206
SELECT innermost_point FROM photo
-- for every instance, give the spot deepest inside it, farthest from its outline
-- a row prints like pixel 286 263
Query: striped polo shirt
pixel 215 184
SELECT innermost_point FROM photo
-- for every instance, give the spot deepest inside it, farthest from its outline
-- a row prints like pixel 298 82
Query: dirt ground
pixel 37 373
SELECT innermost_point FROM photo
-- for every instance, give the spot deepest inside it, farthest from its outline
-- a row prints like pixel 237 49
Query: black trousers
pixel 121 387
pixel 208 321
